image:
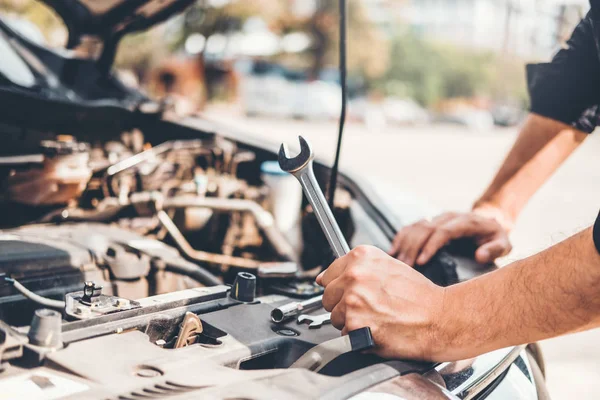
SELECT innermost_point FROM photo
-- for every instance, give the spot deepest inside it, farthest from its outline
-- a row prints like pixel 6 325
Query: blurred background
pixel 437 90
pixel 410 61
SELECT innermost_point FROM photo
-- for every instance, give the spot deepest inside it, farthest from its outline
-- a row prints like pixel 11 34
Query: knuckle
pixel 400 234
pixel 444 233
pixel 352 300
pixel 451 214
pixel 424 224
pixel 360 251
pixel 497 226
pixel 355 274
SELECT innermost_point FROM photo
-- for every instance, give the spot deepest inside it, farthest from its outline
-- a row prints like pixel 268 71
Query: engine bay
pixel 170 258
pixel 141 220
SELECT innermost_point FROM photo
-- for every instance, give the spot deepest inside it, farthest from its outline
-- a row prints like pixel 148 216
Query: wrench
pixel 290 310
pixel 301 167
pixel 315 321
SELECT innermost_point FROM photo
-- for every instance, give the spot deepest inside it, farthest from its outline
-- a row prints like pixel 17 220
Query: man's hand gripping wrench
pixel 301 167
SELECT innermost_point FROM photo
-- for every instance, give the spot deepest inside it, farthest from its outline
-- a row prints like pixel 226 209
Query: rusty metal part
pixel 263 218
pixel 280 269
pixel 189 330
pixel 238 158
pixel 151 153
pixel 148 155
pixel 63 176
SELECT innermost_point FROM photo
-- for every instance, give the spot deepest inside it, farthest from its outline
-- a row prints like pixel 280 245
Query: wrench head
pixel 314 321
pixel 292 164
pixel 306 319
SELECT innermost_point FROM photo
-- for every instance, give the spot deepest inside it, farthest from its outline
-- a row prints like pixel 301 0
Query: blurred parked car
pixel 392 110
pixel 507 114
pixel 472 117
pixel 274 91
pixel 404 112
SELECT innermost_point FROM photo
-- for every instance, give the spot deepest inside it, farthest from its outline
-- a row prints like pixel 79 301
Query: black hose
pixel 343 71
pixel 193 271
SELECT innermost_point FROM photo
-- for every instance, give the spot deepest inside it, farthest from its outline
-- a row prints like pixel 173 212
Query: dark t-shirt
pixel 567 89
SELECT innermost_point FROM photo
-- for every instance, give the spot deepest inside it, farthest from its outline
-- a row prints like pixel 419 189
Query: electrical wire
pixel 343 72
pixel 46 302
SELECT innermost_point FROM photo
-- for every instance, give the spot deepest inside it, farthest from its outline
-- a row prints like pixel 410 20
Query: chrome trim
pixel 480 372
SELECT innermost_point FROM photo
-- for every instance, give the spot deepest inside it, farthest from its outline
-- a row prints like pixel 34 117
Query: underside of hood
pixel 69 93
pixel 111 19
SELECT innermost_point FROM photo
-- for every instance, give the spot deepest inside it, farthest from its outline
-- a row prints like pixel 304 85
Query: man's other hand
pixel 416 244
pixel 367 287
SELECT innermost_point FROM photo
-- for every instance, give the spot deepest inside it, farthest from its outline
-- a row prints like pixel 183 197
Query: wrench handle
pixel 324 215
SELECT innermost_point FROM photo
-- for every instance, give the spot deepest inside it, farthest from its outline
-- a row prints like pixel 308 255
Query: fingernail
pixel 320 276
pixel 421 260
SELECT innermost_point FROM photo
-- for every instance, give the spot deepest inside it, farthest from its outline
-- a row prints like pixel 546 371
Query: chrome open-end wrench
pixel 314 321
pixel 301 167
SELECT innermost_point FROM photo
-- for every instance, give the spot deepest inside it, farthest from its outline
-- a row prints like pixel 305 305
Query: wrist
pixel 493 211
pixel 455 332
pixel 447 331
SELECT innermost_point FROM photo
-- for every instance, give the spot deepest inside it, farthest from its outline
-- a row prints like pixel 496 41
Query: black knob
pixel 244 287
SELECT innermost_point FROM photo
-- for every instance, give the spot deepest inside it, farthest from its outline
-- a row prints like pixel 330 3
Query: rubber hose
pixel 193 271
pixel 46 302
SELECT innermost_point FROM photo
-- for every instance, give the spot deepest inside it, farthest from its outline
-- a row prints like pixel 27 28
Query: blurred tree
pixel 41 15
pixel 431 71
pixel 368 49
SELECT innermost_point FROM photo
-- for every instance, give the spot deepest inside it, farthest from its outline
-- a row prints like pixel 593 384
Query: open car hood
pixel 72 94
pixel 111 19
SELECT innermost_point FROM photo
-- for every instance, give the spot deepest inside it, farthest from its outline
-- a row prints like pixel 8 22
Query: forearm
pixel 551 293
pixel 540 148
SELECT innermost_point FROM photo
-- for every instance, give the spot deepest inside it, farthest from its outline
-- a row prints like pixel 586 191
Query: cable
pixel 193 271
pixel 342 66
pixel 35 297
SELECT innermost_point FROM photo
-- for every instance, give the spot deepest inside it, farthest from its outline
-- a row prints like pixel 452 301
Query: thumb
pixel 489 251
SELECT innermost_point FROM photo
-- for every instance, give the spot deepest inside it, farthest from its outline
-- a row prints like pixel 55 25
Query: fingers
pixel 397 242
pixel 412 246
pixel 336 268
pixel 467 225
pixel 333 294
pixel 435 242
pixel 489 251
pixel 409 241
pixel 338 316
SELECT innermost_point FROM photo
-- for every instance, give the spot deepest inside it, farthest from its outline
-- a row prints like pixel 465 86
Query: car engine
pixel 169 257
pixel 139 221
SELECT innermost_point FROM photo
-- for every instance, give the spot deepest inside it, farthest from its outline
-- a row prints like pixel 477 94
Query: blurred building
pixel 529 28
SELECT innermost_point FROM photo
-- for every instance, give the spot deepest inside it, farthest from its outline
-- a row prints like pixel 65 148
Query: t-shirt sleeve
pixel 567 89
pixel 596 233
